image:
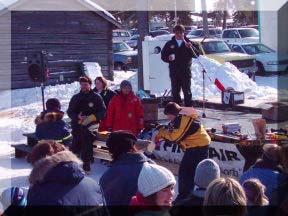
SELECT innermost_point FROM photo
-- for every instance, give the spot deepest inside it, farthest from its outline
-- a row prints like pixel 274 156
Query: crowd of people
pixel 137 183
pixel 61 160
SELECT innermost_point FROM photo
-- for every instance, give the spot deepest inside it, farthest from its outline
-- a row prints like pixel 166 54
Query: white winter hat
pixel 154 178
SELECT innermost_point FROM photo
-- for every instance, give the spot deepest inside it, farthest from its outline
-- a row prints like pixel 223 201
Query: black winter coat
pixel 183 58
pixel 87 103
pixel 55 183
pixel 106 94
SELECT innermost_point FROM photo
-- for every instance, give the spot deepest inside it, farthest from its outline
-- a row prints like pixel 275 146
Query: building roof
pixel 55 5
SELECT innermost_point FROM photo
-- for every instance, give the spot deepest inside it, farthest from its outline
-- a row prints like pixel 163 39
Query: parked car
pixel 218 50
pixel 267 59
pixel 133 41
pixel 125 58
pixel 199 33
pixel 240 35
pixel 120 35
pixel 133 31
pixel 189 29
pixel 159 32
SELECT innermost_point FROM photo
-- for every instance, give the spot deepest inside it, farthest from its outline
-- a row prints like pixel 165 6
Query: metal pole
pixel 175 12
pixel 143 28
pixel 42 90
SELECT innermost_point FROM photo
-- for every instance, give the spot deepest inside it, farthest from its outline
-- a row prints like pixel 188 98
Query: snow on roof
pixel 97 7
pixel 89 4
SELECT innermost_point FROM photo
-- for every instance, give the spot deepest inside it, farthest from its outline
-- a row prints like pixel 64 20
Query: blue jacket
pixel 54 128
pixel 62 183
pixel 119 182
pixel 269 178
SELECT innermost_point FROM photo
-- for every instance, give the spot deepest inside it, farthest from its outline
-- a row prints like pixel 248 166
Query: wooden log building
pixel 68 37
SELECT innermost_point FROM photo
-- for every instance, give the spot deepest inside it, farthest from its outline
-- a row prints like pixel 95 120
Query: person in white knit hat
pixel 155 189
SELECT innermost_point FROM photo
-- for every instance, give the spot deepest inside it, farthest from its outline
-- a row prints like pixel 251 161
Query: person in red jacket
pixel 125 111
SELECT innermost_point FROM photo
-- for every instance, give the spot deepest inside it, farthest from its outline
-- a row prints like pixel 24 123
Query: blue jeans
pixel 192 157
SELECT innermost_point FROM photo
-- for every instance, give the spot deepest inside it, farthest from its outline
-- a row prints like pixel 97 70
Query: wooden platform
pixel 22 150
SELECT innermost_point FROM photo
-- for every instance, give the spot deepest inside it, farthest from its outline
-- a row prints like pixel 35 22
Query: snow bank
pixel 228 75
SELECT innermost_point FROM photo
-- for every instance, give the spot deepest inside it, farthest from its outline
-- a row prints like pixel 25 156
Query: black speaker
pixel 38 66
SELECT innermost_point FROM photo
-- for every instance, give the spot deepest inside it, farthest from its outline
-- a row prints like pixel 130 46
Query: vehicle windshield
pixel 218 31
pixel 196 33
pixel 118 47
pixel 212 32
pixel 120 34
pixel 248 33
pixel 252 49
pixel 215 47
pixel 159 32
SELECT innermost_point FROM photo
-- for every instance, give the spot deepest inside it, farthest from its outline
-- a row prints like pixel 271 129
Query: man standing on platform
pixel 85 109
pixel 178 53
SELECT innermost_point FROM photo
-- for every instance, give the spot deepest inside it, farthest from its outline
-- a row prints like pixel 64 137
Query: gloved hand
pixel 89 119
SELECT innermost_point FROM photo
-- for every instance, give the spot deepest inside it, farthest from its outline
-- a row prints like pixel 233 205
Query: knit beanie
pixel 172 109
pixel 125 83
pixel 154 178
pixel 14 196
pixel 206 171
pixel 85 79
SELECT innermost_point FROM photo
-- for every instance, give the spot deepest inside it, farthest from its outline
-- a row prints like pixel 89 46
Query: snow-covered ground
pixel 18 109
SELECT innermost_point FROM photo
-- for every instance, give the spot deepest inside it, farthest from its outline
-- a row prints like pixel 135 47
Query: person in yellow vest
pixel 186 129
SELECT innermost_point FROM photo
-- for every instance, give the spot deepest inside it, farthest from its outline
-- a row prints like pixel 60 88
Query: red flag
pixel 219 85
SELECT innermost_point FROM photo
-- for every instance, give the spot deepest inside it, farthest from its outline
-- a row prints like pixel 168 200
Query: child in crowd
pixel 225 196
pixel 254 191
pixel 13 201
pixel 206 171
pixel 155 190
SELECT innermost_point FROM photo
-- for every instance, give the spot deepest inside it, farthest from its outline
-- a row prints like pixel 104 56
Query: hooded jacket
pixel 187 130
pixel 55 128
pixel 59 180
pixel 119 182
pixel 125 112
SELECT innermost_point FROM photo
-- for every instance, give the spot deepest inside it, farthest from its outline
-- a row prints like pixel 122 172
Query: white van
pixel 240 35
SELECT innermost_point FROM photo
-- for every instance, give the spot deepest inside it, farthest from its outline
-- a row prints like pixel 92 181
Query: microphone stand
pixel 203 73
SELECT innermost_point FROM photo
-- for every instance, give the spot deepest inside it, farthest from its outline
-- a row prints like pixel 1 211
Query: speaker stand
pixel 42 91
